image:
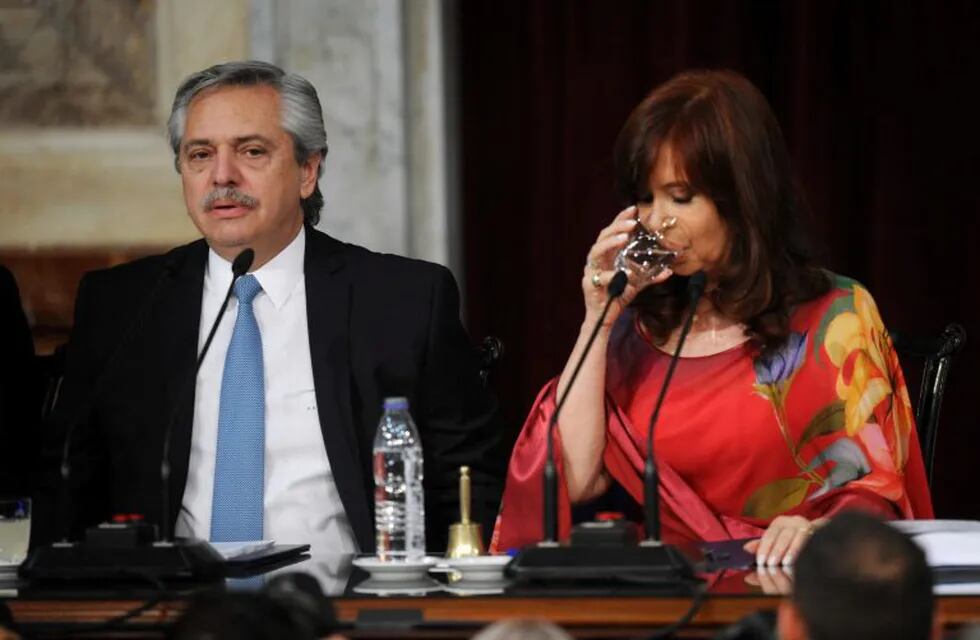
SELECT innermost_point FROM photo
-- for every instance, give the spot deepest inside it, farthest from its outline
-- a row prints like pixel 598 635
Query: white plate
pixel 395 570
pixel 417 587
pixel 479 568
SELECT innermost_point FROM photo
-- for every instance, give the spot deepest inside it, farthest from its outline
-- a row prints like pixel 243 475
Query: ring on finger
pixel 596 279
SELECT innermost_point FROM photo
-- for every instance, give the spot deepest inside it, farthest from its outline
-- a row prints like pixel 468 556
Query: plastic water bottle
pixel 399 503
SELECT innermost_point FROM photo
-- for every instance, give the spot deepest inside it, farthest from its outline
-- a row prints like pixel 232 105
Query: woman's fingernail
pixel 632 222
pixel 622 237
pixel 788 560
pixel 760 561
pixel 772 561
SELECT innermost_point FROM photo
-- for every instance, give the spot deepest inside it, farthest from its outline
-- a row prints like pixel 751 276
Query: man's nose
pixel 226 168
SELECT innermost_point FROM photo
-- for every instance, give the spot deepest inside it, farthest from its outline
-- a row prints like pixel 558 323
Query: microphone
pixel 239 267
pixel 550 476
pixel 170 264
pixel 242 262
pixel 651 480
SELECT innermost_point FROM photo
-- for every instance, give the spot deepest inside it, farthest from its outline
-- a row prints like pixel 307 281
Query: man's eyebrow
pixel 252 137
pixel 196 142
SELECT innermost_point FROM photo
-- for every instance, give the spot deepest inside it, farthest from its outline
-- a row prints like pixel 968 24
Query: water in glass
pixel 15 530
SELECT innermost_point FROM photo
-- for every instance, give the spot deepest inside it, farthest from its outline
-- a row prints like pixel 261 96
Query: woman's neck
pixel 711 333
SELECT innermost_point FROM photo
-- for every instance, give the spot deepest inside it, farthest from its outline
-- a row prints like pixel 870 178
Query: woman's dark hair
pixel 726 143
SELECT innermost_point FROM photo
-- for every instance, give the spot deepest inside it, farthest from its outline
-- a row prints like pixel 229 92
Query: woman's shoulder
pixel 842 286
pixel 845 296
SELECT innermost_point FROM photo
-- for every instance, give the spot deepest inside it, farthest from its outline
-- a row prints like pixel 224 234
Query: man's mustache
pixel 229 193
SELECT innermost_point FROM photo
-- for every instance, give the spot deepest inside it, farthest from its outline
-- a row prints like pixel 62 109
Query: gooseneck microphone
pixel 239 267
pixel 550 476
pixel 599 552
pixel 170 264
pixel 127 550
pixel 651 479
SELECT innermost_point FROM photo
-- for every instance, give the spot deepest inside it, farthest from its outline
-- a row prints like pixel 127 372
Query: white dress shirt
pixel 302 504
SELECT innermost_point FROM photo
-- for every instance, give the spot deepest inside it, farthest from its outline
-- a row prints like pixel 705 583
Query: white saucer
pixel 395 570
pixel 465 587
pixel 479 568
pixel 482 589
pixel 417 587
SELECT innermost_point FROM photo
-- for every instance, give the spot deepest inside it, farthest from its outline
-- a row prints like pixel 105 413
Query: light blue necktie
pixel 239 472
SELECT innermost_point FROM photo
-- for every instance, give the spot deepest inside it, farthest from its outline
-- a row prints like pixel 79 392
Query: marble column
pixel 378 66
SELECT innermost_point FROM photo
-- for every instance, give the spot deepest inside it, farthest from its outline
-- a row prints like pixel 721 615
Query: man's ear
pixel 308 174
pixel 789 622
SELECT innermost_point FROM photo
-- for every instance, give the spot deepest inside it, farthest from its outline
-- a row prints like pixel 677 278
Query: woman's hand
pixel 773 581
pixel 782 541
pixel 583 419
pixel 599 270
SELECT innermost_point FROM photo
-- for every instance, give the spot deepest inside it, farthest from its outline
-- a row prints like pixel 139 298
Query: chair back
pixel 491 351
pixel 937 354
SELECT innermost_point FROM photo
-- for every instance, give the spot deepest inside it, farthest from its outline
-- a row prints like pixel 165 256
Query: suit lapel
pixel 328 290
pixel 181 319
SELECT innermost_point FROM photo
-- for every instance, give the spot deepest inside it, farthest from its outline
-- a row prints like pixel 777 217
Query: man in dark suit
pixel 19 393
pixel 325 329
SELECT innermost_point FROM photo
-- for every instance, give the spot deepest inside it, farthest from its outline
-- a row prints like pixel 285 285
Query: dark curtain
pixel 878 104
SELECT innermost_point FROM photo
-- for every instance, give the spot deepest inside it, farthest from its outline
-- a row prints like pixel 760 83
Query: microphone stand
pixel 646 564
pixel 550 476
pixel 651 479
pixel 124 550
pixel 238 268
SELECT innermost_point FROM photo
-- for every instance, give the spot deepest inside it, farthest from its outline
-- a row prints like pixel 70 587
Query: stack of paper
pixel 952 549
pixel 8 579
pixel 231 550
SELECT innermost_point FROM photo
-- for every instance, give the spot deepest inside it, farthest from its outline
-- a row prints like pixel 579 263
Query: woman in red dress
pixel 788 403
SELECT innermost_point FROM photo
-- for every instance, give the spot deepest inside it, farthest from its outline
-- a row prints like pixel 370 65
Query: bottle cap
pixel 396 402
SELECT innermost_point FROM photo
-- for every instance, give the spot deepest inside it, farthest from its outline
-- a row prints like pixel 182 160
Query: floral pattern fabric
pixel 821 424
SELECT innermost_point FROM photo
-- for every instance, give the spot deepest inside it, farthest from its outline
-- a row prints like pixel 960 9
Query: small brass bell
pixel 465 539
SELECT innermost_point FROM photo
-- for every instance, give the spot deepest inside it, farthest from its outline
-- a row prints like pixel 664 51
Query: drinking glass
pixel 15 529
pixel 648 253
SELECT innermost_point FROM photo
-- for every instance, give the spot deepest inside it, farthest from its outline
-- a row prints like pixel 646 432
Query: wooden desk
pixel 460 617
pixel 601 612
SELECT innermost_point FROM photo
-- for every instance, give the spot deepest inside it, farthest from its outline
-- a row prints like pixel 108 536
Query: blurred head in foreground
pixel 522 630
pixel 290 606
pixel 859 578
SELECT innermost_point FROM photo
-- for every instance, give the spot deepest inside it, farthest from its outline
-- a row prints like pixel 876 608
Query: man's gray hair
pixel 302 117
